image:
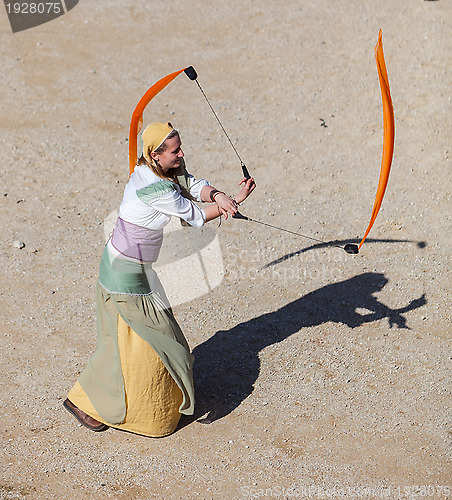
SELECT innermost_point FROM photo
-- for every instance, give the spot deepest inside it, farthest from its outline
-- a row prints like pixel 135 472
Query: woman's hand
pixel 226 205
pixel 223 204
pixel 246 190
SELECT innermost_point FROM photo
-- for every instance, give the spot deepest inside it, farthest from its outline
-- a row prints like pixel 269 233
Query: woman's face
pixel 170 158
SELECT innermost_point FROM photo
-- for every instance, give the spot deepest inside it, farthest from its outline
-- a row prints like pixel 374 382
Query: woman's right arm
pixel 213 211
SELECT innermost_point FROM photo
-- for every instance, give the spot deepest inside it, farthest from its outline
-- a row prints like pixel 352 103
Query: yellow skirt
pixel 152 397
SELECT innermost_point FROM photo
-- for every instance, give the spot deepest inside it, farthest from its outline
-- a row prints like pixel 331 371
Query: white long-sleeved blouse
pixel 147 206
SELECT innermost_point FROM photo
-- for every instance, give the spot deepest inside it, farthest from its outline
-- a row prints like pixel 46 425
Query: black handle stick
pixel 191 73
pixel 238 215
pixel 246 174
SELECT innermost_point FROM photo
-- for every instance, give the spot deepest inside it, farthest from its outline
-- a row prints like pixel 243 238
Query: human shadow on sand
pixel 227 365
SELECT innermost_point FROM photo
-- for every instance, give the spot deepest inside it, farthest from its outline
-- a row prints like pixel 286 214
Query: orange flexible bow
pixel 137 115
pixel 388 134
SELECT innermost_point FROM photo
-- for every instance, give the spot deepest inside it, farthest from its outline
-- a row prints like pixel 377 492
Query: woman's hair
pixel 154 166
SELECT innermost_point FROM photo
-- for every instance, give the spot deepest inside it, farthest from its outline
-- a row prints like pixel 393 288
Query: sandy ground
pixel 319 374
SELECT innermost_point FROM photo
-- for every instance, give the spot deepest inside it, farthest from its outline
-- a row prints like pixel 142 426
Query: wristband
pixel 213 193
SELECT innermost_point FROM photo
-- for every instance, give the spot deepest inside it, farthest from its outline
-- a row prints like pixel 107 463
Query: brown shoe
pixel 84 418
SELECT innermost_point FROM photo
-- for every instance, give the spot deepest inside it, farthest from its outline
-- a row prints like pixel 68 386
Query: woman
pixel 140 377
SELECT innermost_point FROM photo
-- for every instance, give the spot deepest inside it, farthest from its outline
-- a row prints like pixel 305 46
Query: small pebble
pixel 18 244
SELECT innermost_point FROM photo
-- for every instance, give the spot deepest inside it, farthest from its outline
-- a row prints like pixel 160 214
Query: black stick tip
pixel 191 73
pixel 351 248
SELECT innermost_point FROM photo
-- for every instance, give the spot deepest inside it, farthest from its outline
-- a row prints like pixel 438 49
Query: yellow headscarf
pixel 153 136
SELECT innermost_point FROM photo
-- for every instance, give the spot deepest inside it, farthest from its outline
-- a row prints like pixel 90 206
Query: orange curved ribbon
pixel 388 134
pixel 137 115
